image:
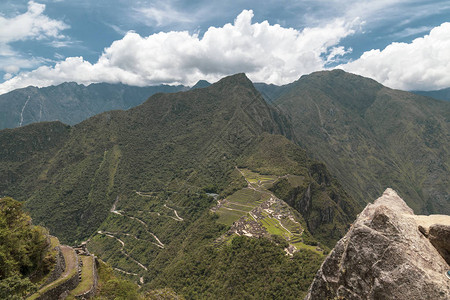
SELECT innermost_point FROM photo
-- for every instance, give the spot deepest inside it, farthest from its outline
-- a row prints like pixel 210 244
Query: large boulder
pixel 385 256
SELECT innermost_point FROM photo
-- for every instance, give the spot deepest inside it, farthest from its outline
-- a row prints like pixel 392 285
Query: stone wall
pixel 59 289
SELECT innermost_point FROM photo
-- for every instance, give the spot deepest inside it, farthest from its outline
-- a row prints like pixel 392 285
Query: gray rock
pixel 385 256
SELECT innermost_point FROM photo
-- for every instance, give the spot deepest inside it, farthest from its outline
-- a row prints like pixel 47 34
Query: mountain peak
pixel 200 84
pixel 239 78
pixel 338 76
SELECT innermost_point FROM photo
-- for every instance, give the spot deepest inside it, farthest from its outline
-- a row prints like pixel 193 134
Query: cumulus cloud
pixel 268 53
pixel 423 64
pixel 32 24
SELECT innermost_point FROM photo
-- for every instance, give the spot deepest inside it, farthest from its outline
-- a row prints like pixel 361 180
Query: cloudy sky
pixel 403 44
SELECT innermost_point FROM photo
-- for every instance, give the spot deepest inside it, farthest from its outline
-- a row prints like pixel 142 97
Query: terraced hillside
pixel 255 211
pixel 74 276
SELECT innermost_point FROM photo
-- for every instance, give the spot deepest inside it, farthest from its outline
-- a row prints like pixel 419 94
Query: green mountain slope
pixel 372 137
pixel 139 185
pixel 71 103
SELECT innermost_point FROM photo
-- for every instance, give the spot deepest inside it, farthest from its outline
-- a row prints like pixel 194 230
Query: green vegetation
pixel 246 268
pixel 111 287
pixel 443 94
pixel 238 204
pixel 23 251
pixel 275 219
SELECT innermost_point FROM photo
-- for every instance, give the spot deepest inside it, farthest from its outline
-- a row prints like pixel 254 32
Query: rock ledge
pixel 384 255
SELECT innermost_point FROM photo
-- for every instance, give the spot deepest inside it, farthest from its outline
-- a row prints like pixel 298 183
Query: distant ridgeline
pixel 173 193
pixel 443 94
pixel 71 103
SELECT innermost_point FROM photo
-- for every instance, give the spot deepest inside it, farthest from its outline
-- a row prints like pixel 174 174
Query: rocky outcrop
pixel 385 256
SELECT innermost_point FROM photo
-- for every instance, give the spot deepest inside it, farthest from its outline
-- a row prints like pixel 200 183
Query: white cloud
pixel 423 64
pixel 12 62
pixel 32 24
pixel 268 53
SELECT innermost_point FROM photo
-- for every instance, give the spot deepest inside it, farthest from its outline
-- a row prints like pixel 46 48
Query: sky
pixel 403 44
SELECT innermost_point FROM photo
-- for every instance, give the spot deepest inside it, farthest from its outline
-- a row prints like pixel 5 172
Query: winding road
pixel 122 248
pixel 176 218
pixel 120 213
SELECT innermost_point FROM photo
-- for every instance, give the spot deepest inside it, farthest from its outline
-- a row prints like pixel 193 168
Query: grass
pixel 240 203
pixel 272 226
pixel 295 180
pixel 228 217
pixel 245 196
pixel 303 246
pixel 254 177
pixel 87 279
pixel 246 208
pixel 246 199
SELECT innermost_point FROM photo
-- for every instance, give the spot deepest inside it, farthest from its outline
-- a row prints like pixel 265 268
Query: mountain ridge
pixel 371 136
pixel 70 102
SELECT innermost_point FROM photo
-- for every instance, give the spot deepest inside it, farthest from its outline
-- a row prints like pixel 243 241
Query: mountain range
pixel 443 94
pixel 70 102
pixel 173 192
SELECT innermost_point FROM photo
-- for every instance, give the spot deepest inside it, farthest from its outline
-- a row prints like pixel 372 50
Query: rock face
pixel 385 256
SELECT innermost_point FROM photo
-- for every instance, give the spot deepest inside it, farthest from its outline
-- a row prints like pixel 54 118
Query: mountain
pixel 200 84
pixel 443 94
pixel 372 137
pixel 389 253
pixel 167 191
pixel 71 103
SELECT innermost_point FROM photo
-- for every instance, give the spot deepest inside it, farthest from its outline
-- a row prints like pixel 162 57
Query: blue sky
pixel 403 44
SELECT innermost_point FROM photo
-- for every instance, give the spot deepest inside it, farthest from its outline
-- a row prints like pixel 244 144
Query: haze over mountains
pixel 162 190
pixel 72 103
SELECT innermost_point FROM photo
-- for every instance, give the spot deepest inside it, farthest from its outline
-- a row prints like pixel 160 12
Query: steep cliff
pixel 388 253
